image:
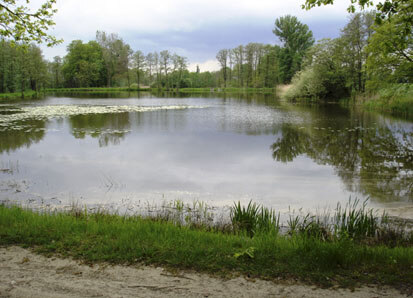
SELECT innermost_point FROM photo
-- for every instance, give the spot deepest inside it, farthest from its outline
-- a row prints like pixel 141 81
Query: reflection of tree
pixel 21 133
pixel 289 146
pixel 108 128
pixel 376 161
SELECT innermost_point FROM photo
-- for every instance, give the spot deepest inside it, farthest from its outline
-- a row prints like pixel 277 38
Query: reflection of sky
pixel 226 165
pixel 220 153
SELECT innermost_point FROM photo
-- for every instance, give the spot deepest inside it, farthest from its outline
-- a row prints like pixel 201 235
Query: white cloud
pixel 149 22
pixel 209 65
pixel 84 17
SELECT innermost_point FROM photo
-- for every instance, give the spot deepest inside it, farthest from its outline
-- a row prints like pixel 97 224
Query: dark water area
pixel 126 151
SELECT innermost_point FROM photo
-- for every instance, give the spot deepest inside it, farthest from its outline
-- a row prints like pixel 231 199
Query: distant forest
pixel 365 57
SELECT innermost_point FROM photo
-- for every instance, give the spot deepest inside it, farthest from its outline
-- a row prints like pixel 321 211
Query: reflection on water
pixel 21 134
pixel 375 161
pixel 110 129
pixel 116 148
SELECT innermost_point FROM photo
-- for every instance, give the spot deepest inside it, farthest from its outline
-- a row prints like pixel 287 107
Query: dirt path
pixel 25 274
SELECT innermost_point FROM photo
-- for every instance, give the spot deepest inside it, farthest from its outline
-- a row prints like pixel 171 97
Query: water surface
pixel 130 150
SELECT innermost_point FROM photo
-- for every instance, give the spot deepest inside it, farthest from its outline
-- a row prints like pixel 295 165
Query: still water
pixel 123 151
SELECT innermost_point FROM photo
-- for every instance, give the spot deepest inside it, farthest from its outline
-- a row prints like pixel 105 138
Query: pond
pixel 125 151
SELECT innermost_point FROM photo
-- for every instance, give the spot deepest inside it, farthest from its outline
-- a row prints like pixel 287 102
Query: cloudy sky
pixel 195 29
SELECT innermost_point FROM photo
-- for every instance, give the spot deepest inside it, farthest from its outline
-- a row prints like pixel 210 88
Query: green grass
pixel 97 89
pixel 18 95
pixel 228 90
pixel 254 219
pixel 396 99
pixel 182 90
pixel 112 238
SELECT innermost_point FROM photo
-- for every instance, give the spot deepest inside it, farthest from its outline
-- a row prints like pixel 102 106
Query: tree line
pixel 21 67
pixel 366 55
pixel 106 61
pixel 259 65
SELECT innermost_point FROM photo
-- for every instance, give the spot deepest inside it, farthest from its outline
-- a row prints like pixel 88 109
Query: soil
pixel 26 274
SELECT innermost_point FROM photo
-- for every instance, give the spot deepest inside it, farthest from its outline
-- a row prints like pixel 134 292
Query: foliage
pixel 296 38
pixel 353 42
pixel 396 99
pixel 84 65
pixel 116 56
pixel 323 75
pixel 390 55
pixel 385 10
pixel 21 67
pixel 362 58
pixel 258 65
pixel 24 25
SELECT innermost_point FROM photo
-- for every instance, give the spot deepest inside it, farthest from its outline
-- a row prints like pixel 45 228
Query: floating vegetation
pixel 59 111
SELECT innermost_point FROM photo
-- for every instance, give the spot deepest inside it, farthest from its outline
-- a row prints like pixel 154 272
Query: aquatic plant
pixel 253 218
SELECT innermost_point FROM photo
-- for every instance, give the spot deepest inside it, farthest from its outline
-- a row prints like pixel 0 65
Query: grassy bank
pixel 396 100
pixel 183 90
pixel 97 90
pixel 228 90
pixel 265 253
pixel 18 95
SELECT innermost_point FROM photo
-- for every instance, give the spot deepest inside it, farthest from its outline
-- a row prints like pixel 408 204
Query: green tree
pixel 21 67
pixel 179 68
pixel 55 69
pixel 22 24
pixel 269 66
pixel 353 42
pixel 323 75
pixel 37 68
pixel 222 58
pixel 239 60
pixel 296 38
pixel 150 65
pixel 84 65
pixel 139 62
pixel 165 64
pixel 116 55
pixel 390 55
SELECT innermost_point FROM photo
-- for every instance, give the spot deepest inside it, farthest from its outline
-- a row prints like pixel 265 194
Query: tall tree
pixel 158 68
pixel 56 70
pixel 354 39
pixel 222 58
pixel 150 64
pixel 139 63
pixel 296 38
pixel 37 69
pixel 179 66
pixel 239 60
pixel 116 55
pixel 165 61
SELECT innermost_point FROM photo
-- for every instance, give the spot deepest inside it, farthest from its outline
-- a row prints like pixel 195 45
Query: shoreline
pixel 308 253
pixel 25 273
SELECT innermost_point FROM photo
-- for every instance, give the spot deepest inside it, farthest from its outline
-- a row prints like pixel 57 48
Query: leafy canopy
pixel 385 10
pixel 23 24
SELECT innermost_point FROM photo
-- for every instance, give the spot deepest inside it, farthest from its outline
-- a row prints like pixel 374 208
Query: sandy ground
pixel 25 274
